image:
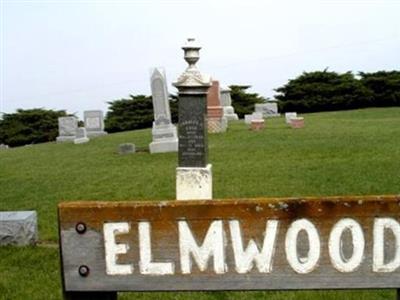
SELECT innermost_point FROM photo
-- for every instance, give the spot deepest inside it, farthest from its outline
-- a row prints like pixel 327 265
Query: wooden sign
pixel 246 244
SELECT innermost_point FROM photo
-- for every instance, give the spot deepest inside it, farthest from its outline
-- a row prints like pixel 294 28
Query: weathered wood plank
pixel 348 244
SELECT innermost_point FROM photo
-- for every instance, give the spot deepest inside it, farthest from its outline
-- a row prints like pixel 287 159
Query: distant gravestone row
pixel 68 130
pixel 268 110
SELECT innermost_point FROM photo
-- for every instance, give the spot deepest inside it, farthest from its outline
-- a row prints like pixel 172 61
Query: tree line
pixel 309 92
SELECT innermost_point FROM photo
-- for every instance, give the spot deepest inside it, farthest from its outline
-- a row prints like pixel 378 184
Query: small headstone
pixel 67 129
pixel 253 116
pixel 290 115
pixel 94 123
pixel 226 101
pixel 268 109
pixel 216 122
pixel 81 136
pixel 3 147
pixel 18 228
pixel 257 125
pixel 126 148
pixel 165 137
pixel 297 122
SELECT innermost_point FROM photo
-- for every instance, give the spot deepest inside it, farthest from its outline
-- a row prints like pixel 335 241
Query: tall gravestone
pixel 193 175
pixel 215 112
pixel 67 127
pixel 94 123
pixel 226 101
pixel 165 138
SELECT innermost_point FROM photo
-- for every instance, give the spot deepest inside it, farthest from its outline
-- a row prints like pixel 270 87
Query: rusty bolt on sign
pixel 84 271
pixel 80 228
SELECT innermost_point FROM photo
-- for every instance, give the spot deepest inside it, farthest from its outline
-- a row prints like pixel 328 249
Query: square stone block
pixel 18 228
pixel 193 183
pixel 126 148
pixel 163 146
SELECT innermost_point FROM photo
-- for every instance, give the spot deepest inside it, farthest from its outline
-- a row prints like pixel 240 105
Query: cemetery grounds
pixel 337 153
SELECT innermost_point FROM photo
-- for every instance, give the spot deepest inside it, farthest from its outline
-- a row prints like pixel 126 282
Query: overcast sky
pixel 77 55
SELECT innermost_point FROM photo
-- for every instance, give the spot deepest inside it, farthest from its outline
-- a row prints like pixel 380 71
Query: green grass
pixel 337 153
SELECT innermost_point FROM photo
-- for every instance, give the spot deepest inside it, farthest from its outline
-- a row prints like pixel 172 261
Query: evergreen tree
pixel 384 85
pixel 323 91
pixel 30 126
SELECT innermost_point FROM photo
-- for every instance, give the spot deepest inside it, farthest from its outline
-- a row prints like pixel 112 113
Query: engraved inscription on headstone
pixel 93 122
pixel 192 132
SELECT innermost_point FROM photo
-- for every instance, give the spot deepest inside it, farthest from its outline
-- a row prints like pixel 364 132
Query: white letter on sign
pixel 112 249
pixel 339 262
pixel 244 259
pixel 213 245
pixel 145 264
pixel 302 265
pixel 380 225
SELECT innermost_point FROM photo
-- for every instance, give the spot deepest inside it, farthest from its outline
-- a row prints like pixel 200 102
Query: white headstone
pixel 253 116
pixel 67 129
pixel 94 123
pixel 268 109
pixel 165 138
pixel 81 136
pixel 290 115
pixel 226 102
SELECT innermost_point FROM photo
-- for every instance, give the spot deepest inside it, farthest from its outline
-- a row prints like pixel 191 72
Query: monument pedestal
pixel 165 139
pixel 194 183
pixel 217 125
pixel 216 122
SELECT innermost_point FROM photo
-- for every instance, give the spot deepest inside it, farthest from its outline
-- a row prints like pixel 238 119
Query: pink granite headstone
pixel 297 122
pixel 216 121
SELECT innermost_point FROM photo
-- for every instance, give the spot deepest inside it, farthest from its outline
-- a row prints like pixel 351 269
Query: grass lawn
pixel 337 153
